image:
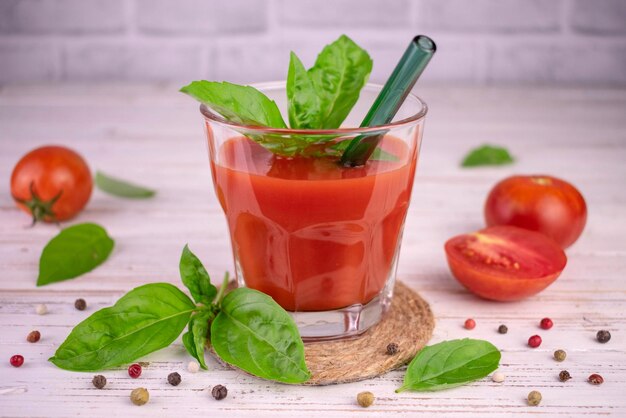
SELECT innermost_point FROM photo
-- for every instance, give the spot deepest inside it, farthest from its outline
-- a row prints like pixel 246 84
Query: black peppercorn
pixel 503 329
pixel 80 304
pixel 603 336
pixel 564 376
pixel 173 379
pixel 392 349
pixel 99 381
pixel 219 392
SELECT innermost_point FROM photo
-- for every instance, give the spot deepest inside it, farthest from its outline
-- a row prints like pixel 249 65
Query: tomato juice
pixel 311 234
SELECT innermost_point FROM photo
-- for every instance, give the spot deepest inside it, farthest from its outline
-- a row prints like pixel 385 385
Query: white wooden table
pixel 153 135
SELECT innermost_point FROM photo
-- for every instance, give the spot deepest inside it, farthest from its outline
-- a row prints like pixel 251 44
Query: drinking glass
pixel 321 239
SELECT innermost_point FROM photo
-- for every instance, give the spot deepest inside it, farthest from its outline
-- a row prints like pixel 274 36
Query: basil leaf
pixel 379 154
pixel 303 103
pixel 196 278
pixel 340 72
pixel 255 334
pixel 449 364
pixel 240 104
pixel 144 320
pixel 190 346
pixel 199 328
pixel 76 250
pixel 487 155
pixel 121 188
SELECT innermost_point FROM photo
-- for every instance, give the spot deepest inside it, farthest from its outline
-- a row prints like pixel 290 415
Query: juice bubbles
pixel 313 235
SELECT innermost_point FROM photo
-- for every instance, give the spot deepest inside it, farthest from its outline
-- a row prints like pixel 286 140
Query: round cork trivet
pixel 409 323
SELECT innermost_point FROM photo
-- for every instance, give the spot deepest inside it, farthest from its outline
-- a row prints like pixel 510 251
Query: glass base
pixel 345 322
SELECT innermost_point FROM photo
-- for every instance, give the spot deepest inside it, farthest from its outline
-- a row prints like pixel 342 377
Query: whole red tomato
pixel 505 262
pixel 540 203
pixel 52 183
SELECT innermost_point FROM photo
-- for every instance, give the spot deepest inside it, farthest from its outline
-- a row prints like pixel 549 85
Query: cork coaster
pixel 409 323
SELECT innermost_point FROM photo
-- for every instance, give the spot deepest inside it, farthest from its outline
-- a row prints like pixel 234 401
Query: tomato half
pixel 52 183
pixel 505 262
pixel 540 203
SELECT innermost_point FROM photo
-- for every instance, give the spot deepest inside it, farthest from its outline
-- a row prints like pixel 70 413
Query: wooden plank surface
pixel 153 135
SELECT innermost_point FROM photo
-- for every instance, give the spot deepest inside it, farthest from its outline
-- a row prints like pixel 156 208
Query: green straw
pixel 391 97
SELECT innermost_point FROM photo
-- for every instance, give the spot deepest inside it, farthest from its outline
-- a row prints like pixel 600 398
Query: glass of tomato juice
pixel 321 239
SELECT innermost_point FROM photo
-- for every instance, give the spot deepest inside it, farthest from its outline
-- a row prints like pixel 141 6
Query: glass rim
pixel 413 119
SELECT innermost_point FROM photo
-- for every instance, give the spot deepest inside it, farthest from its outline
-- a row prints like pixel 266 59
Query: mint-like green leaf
pixel 240 104
pixel 255 334
pixel 487 155
pixel 144 320
pixel 195 277
pixel 304 105
pixel 340 72
pixel 450 364
pixel 76 250
pixel 121 188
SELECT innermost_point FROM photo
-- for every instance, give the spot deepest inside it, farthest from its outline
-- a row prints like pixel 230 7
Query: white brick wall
pixel 479 41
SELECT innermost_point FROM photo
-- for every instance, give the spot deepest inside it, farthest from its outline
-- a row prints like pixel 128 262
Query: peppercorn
pixel 564 376
pixel 470 323
pixel 603 336
pixel 392 349
pixel 99 381
pixel 546 323
pixel 365 399
pixel 595 379
pixel 16 360
pixel 173 379
pixel 41 309
pixel 80 304
pixel 534 341
pixel 134 370
pixel 498 377
pixel 219 392
pixel 560 355
pixel 193 367
pixel 534 398
pixel 33 336
pixel 139 396
pixel 503 329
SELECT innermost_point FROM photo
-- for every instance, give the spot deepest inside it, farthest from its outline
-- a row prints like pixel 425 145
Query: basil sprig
pixel 318 98
pixel 450 364
pixel 247 328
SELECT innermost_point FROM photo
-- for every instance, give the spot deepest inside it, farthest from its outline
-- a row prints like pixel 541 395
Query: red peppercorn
pixel 134 370
pixel 546 323
pixel 16 360
pixel 534 341
pixel 470 323
pixel 596 379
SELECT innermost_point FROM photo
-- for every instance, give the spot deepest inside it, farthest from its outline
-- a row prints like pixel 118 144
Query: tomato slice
pixel 505 263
